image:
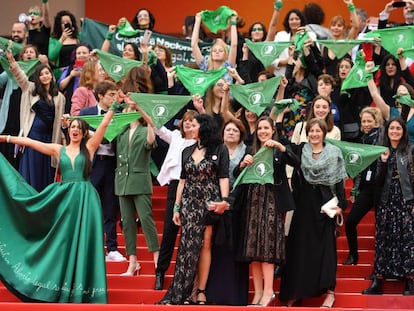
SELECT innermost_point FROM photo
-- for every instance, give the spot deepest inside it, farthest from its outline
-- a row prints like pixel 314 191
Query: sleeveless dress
pixel 51 242
pixel 36 167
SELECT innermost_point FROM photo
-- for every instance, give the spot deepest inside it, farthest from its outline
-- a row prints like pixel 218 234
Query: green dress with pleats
pixel 51 243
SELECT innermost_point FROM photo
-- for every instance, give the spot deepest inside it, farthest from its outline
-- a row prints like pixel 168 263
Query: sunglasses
pixel 257 29
pixel 34 13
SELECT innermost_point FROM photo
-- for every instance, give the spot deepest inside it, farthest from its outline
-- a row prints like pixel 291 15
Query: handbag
pixel 330 208
pixel 350 130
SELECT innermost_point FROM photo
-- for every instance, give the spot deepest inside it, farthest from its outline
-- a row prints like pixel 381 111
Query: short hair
pixel 239 125
pixel 337 19
pixel 362 13
pixel 102 87
pixel 189 114
pixel 327 78
pixel 321 123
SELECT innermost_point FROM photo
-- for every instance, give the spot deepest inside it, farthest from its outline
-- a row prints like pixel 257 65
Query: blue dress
pixel 34 166
pixel 51 242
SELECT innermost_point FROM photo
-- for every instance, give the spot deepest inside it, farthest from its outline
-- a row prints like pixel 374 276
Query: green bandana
pixel 216 20
pixel 341 47
pixel 281 105
pixel 126 30
pixel 394 38
pixel 357 157
pixel 300 39
pixel 404 99
pixel 197 81
pixel 256 96
pixel 267 51
pixel 357 77
pixel 118 123
pixel 28 66
pixel 16 47
pixel 116 66
pixel 161 108
pixel 260 172
pixel 408 53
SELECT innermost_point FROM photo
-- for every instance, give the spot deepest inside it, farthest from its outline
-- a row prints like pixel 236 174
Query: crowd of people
pixel 65 184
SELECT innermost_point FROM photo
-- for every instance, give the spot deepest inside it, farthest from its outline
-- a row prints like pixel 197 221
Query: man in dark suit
pixel 103 171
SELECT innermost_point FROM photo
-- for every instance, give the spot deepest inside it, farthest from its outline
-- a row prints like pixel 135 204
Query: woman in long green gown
pixel 51 242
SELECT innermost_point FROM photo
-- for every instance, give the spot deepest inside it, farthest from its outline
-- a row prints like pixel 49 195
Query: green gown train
pixel 51 243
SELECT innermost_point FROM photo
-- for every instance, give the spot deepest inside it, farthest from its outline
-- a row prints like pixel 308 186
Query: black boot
pixel 375 288
pixel 159 281
pixel 351 260
pixel 409 287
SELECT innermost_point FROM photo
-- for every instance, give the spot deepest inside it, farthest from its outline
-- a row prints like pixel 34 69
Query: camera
pixel 68 26
pixel 399 4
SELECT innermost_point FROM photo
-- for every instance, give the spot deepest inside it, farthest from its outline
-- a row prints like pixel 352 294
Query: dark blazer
pixel 89 111
pixel 283 195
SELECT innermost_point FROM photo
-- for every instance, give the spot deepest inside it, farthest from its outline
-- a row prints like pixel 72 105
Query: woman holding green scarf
pixel 311 245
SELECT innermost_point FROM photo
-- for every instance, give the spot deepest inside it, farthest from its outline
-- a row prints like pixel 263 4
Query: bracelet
pixel 233 23
pixel 115 106
pixel 45 1
pixel 278 5
pixel 176 208
pixel 225 199
pixel 8 139
pixel 369 76
pixel 109 36
pixel 351 7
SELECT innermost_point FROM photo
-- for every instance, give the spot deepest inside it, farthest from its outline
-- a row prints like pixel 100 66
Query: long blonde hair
pixel 222 44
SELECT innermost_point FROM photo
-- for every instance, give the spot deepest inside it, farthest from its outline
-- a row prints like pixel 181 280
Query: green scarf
pixel 327 170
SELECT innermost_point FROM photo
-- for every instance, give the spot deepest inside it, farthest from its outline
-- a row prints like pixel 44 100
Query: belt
pixel 103 157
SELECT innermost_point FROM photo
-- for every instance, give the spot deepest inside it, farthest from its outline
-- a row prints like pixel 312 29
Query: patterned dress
pixel 264 238
pixel 394 246
pixel 201 185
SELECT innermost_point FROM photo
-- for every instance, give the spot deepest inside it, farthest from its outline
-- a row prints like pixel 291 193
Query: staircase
pixel 136 293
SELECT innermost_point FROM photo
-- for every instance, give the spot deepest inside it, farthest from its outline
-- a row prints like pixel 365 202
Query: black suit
pixel 102 177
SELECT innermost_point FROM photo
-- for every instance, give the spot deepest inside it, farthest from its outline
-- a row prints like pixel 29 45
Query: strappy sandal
pixel 201 291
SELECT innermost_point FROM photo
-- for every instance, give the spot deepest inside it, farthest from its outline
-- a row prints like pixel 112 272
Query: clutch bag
pixel 329 208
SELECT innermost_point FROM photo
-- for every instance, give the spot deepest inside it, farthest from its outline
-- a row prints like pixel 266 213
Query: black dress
pixel 311 259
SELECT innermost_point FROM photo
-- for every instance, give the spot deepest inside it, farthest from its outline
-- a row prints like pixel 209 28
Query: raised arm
pixel 194 40
pixel 273 21
pixel 93 142
pixel 355 21
pixel 233 40
pixel 46 14
pixel 47 149
pixel 17 72
pixel 376 97
pixel 107 42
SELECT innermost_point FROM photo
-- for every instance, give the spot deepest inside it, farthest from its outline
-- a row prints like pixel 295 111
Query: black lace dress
pixel 201 185
pixel 394 246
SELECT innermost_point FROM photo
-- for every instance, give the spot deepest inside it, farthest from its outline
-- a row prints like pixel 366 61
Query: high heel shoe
pixel 200 301
pixel 329 300
pixel 135 271
pixel 270 302
pixel 351 260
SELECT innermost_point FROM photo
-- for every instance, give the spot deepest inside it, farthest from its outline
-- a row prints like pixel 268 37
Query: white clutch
pixel 329 208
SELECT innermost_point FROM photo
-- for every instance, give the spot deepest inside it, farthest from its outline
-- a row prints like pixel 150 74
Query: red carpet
pixel 136 293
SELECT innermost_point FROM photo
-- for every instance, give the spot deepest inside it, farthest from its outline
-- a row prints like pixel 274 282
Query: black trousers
pixel 103 177
pixel 363 203
pixel 170 231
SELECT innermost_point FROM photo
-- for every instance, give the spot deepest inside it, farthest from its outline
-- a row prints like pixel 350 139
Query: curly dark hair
pixel 57 25
pixel 134 22
pixel 209 132
pixel 39 89
pixel 84 127
pixel 313 13
pixel 286 19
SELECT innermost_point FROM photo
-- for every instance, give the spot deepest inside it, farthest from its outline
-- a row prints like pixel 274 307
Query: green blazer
pixel 132 174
